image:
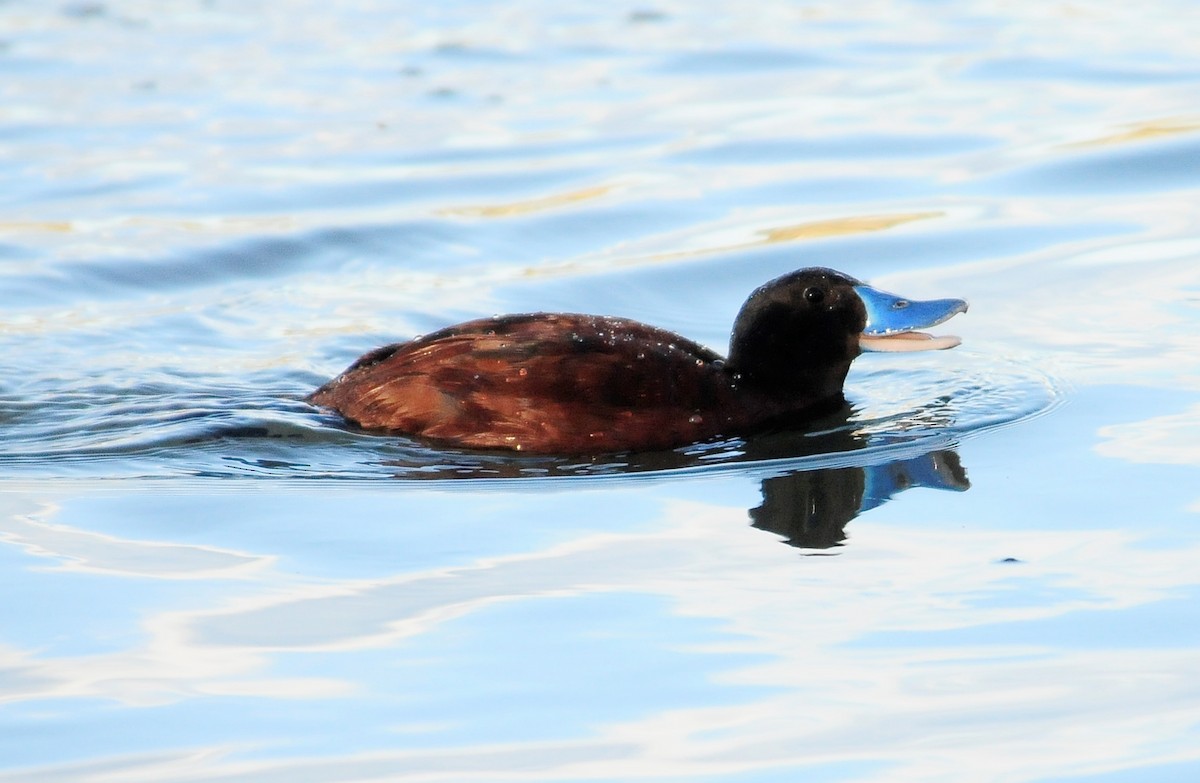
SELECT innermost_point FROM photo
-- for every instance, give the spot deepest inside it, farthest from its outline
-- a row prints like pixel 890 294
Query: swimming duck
pixel 560 383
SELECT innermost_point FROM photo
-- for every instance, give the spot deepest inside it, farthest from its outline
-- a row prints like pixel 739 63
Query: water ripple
pixel 191 426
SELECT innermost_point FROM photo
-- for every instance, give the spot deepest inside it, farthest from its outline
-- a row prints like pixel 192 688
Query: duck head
pixel 798 334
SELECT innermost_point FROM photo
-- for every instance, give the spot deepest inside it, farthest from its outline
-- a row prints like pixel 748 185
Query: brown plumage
pixel 577 384
pixel 548 383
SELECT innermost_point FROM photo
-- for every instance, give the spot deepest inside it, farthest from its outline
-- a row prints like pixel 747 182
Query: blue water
pixel 985 571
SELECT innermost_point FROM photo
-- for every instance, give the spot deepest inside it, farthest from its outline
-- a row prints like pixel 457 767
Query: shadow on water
pixel 813 482
pixel 810 509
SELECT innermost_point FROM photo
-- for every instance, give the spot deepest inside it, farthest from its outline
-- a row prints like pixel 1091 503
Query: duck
pixel 575 384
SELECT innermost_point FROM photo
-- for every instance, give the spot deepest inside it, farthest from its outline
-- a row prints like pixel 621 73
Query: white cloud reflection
pixel 914 649
pixel 87 551
pixel 1173 439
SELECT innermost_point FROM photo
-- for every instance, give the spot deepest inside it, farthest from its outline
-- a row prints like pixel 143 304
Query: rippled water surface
pixel 984 569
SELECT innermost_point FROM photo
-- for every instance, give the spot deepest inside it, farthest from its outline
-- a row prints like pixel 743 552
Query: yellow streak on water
pixel 819 229
pixel 841 226
pixel 1142 131
pixel 223 225
pixel 36 226
pixel 531 205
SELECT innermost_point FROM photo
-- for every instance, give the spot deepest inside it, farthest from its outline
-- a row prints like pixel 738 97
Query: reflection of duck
pixel 810 509
pixel 814 481
pixel 576 384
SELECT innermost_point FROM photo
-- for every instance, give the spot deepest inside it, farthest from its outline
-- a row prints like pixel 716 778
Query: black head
pixel 798 334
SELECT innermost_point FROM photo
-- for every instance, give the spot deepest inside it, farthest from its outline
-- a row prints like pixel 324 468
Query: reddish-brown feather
pixel 548 383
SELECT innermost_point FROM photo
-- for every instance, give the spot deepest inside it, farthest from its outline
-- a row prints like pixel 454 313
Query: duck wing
pixel 549 383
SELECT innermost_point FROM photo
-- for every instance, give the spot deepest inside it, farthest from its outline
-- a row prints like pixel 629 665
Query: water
pixel 210 208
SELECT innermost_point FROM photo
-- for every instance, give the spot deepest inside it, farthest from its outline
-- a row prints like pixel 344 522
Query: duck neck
pixel 799 372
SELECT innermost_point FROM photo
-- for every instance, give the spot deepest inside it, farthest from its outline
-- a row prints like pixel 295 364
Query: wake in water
pixel 198 427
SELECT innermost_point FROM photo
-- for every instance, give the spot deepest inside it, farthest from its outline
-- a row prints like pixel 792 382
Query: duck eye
pixel 814 295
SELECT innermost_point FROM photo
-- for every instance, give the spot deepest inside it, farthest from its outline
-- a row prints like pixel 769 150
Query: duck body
pixel 548 383
pixel 563 383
